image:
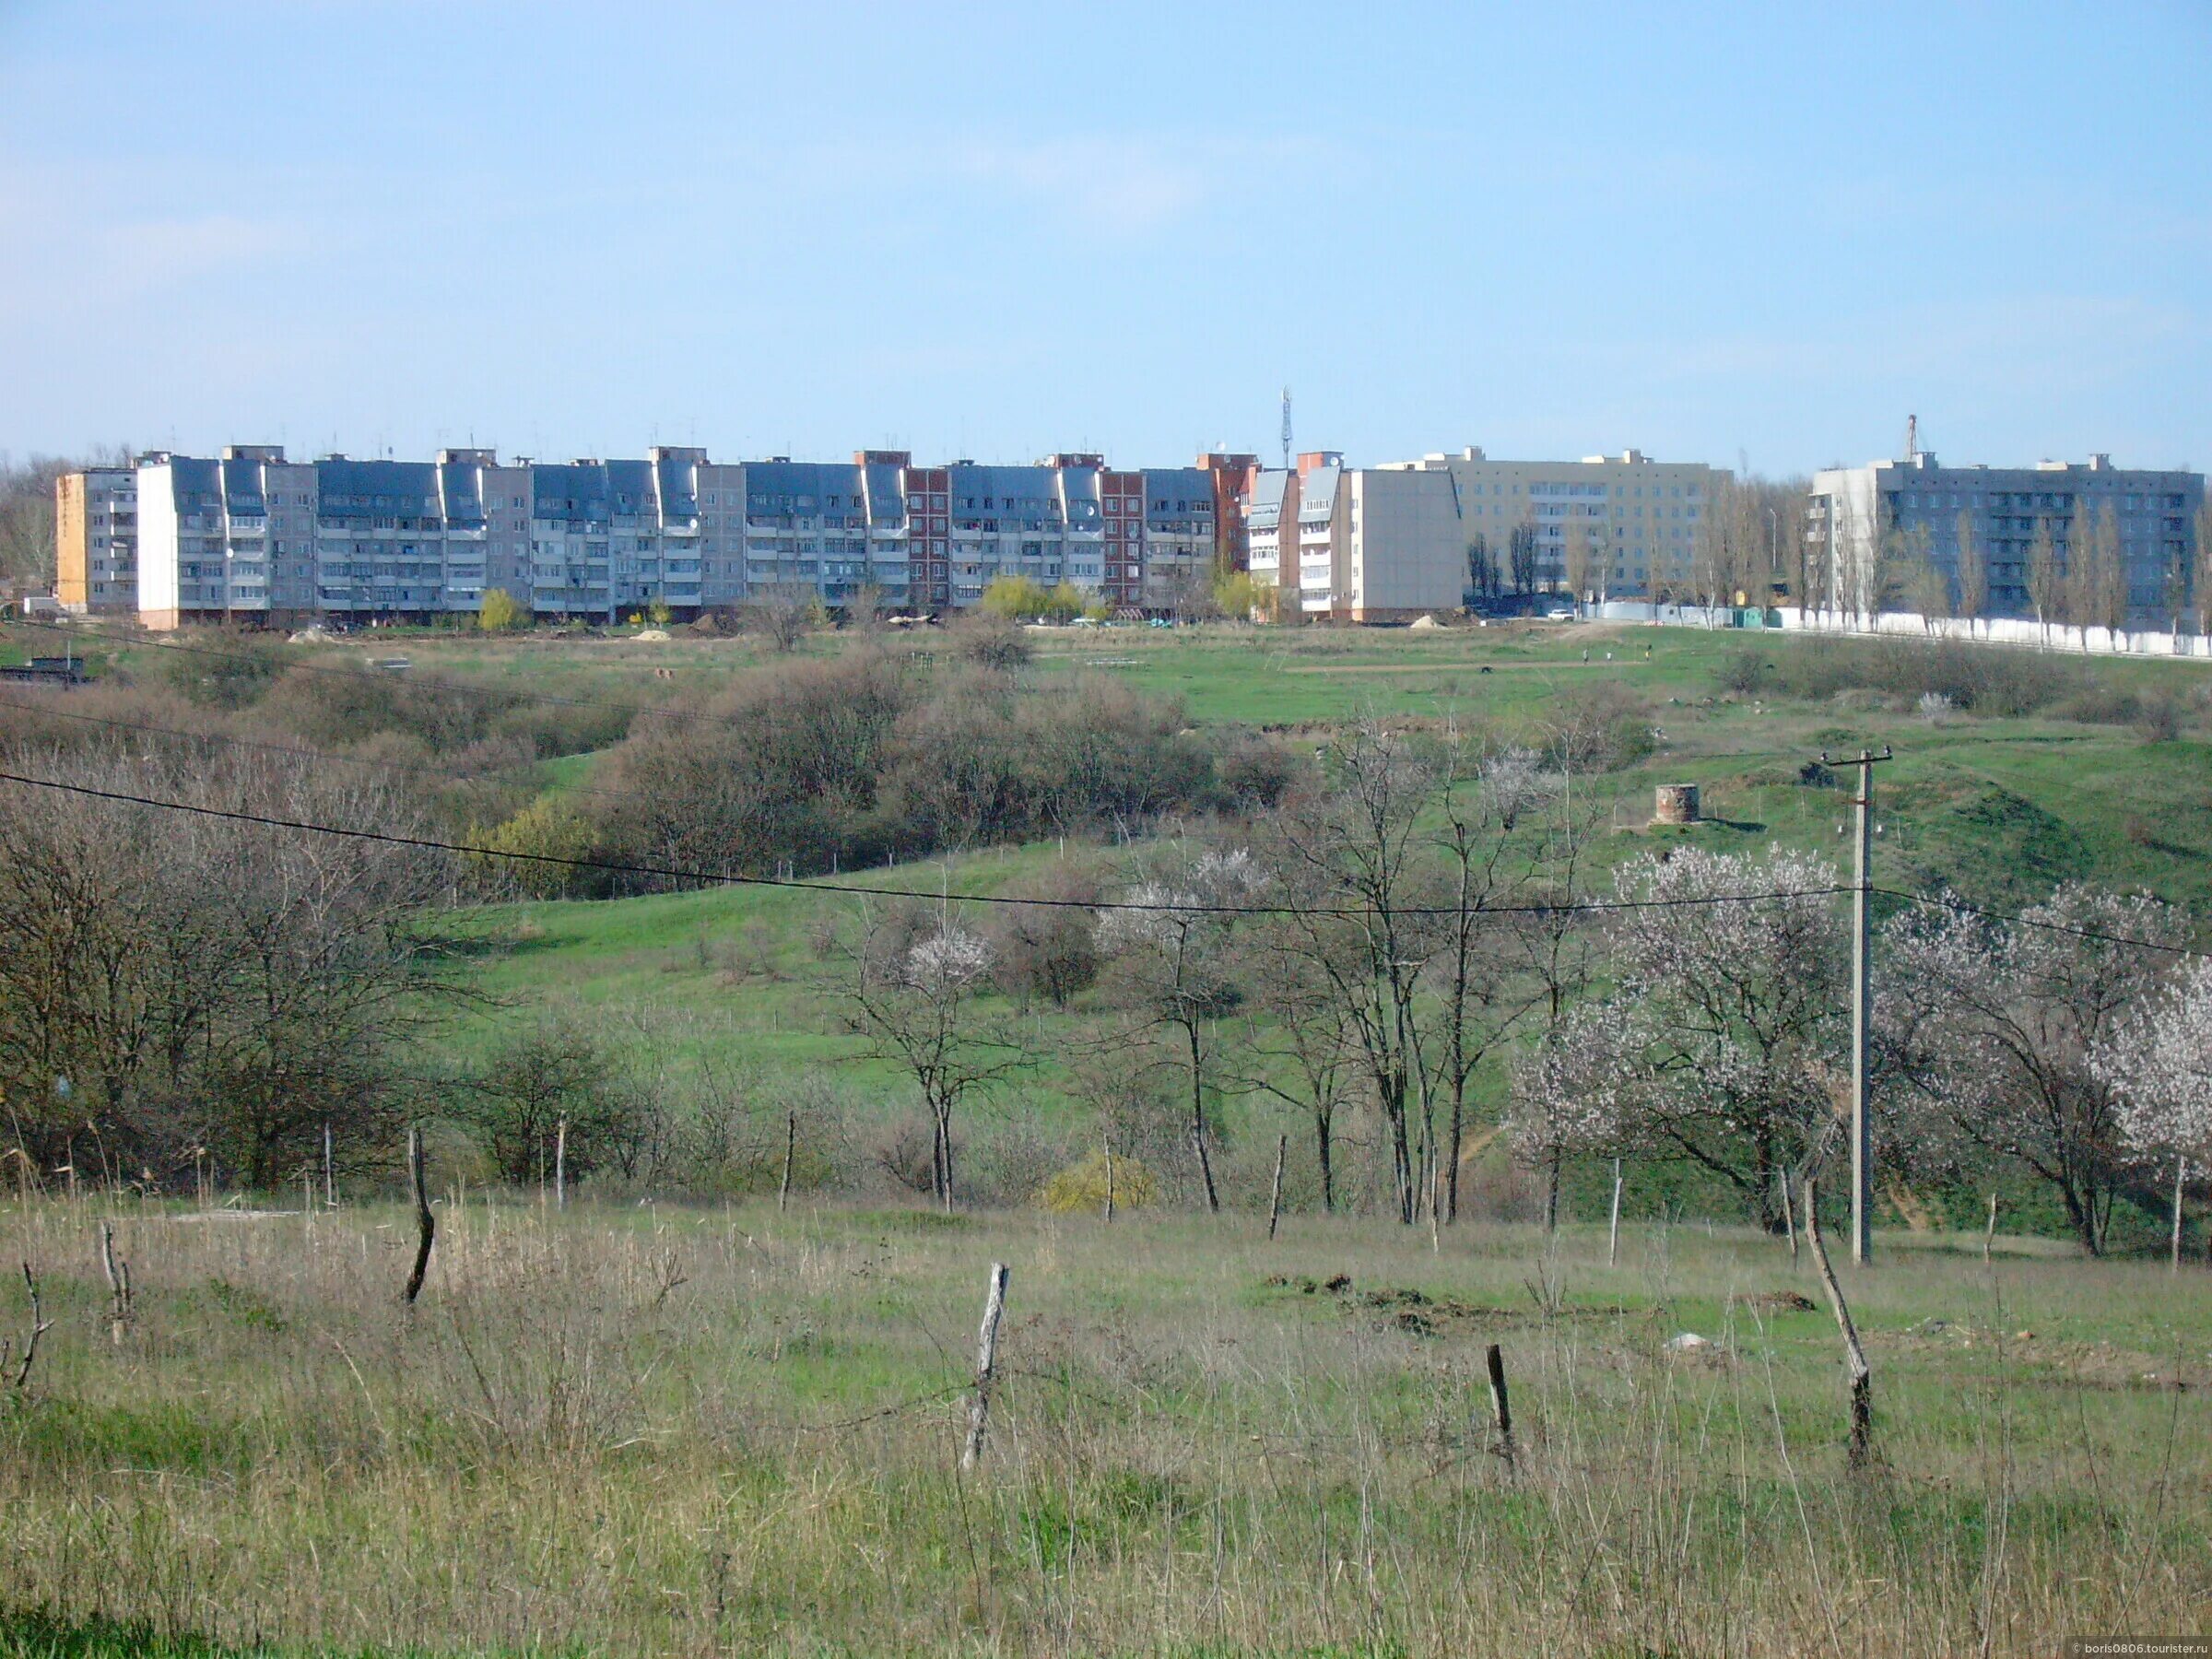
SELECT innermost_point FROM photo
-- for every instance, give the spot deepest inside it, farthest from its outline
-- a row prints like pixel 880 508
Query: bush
pixel 1605 727
pixel 1080 1188
pixel 534 1083
pixel 2159 720
pixel 1048 950
pixel 542 830
pixel 223 671
pixel 1011 598
pixel 501 612
pixel 1746 672
pixel 991 642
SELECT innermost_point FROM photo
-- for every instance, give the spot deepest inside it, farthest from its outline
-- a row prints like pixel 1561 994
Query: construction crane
pixel 1911 438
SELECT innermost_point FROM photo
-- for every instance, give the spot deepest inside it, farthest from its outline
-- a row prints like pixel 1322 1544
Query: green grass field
pixel 1998 808
pixel 682 1432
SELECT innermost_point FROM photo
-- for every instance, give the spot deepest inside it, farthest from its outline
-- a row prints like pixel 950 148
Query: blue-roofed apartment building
pixel 253 537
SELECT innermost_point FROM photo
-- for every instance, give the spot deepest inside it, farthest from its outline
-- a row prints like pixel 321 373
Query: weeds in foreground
pixel 649 1430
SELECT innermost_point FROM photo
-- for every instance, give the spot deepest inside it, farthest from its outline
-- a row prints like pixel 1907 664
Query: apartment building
pixel 1637 520
pixel 96 541
pixel 1396 541
pixel 1857 515
pixel 250 534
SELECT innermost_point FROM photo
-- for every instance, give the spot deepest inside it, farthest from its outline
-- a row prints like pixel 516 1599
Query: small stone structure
pixel 1676 803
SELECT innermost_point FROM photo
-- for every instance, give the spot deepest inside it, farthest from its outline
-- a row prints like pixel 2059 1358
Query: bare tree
pixel 2046 590
pixel 2200 571
pixel 1521 558
pixel 1350 879
pixel 782 613
pixel 1584 569
pixel 1973 572
pixel 1176 970
pixel 187 978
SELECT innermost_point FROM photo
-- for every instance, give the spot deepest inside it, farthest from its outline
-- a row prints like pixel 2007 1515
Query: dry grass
pixel 680 1431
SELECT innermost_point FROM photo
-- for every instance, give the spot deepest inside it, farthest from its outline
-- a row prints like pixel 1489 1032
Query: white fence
pixel 1996 631
pixel 2006 630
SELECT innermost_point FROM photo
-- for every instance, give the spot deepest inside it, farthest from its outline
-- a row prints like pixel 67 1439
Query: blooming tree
pixel 2012 1033
pixel 1724 1041
pixel 911 986
pixel 2159 1061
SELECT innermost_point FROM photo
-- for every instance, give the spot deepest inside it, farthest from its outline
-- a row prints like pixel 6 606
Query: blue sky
pixel 1770 231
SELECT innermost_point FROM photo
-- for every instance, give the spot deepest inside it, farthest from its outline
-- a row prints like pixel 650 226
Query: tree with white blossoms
pixel 911 986
pixel 1726 1040
pixel 1575 1090
pixel 2158 1060
pixel 2012 1032
pixel 1174 968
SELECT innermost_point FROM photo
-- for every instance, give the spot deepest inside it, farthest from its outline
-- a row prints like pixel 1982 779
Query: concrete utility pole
pixel 1862 941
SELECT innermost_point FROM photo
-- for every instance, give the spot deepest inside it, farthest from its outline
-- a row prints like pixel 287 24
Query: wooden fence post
pixel 1274 1202
pixel 1861 1374
pixel 1501 1408
pixel 426 1228
pixel 1613 1233
pixel 1989 1233
pixel 791 1146
pixel 560 1164
pixel 119 1283
pixel 986 1360
pixel 1108 1146
pixel 2180 1174
pixel 330 1187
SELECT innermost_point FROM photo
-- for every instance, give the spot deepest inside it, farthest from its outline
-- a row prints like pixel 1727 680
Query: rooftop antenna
pixel 1286 428
pixel 1912 437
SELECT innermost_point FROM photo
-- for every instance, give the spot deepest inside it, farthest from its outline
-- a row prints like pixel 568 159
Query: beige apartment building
pixel 1394 542
pixel 1639 518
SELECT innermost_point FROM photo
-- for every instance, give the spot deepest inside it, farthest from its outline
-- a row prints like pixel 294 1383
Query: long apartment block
pixel 253 536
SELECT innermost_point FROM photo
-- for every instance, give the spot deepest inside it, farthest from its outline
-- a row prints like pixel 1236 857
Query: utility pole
pixel 1862 942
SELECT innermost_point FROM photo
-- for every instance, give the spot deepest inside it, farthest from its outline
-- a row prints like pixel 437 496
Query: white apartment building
pixel 1853 512
pixel 251 536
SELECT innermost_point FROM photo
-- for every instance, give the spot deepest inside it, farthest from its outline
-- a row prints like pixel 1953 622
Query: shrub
pixel 991 642
pixel 223 671
pixel 1080 1188
pixel 2159 720
pixel 1011 598
pixel 501 612
pixel 1048 950
pixel 544 829
pixel 1604 727
pixel 1746 672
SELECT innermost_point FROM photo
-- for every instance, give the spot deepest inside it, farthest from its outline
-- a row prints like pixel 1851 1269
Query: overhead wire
pixel 857 890
pixel 437 774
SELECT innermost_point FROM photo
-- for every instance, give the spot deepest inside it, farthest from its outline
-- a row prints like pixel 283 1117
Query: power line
pixel 381 675
pixel 2018 919
pixel 730 879
pixel 435 773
